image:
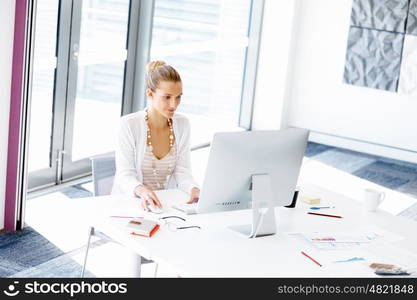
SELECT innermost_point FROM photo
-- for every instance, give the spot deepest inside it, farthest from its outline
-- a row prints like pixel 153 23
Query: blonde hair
pixel 157 71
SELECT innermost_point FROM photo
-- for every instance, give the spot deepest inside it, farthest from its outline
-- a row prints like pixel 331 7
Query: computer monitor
pixel 253 169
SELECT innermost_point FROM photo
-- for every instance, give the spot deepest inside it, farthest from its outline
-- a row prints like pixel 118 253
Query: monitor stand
pixel 263 213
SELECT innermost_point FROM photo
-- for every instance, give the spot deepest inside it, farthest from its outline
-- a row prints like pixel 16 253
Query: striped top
pixel 156 172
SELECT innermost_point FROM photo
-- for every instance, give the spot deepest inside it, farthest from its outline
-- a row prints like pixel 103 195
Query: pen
pixel 127 217
pixel 320 207
pixel 306 255
pixel 324 215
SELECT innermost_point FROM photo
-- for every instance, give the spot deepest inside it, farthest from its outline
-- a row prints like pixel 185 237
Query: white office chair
pixel 103 170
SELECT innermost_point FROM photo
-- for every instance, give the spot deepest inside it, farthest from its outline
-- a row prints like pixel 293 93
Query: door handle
pixel 75 51
pixel 59 160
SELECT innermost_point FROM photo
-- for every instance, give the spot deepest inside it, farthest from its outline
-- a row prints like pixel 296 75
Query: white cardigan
pixel 130 151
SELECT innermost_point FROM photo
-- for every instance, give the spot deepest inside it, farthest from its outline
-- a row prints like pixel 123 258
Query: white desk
pixel 215 251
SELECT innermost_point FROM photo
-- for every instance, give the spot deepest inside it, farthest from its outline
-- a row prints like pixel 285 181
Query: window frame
pixel 251 65
pixel 138 45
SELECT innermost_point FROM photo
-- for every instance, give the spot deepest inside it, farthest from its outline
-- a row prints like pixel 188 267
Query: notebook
pixel 142 227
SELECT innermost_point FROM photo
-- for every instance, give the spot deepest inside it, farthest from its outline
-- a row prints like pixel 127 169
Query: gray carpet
pixel 394 174
pixel 26 253
pixel 344 160
pixel 59 267
pixel 389 175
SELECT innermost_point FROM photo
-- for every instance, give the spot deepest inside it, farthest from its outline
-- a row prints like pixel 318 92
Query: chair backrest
pixel 103 169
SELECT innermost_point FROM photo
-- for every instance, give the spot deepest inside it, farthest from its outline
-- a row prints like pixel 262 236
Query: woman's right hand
pixel 147 197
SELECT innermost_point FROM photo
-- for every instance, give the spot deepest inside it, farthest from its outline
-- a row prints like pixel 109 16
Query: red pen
pixel 324 215
pixel 126 217
pixel 306 255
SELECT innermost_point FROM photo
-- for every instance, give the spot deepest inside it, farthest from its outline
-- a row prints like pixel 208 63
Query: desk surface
pixel 215 251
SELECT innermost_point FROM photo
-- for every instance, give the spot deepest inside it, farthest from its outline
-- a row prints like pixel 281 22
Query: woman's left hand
pixel 195 195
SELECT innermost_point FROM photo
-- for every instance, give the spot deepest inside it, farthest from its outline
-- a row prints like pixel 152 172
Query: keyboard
pixel 188 209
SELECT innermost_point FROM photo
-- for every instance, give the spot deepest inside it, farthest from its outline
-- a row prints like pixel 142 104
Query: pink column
pixel 14 120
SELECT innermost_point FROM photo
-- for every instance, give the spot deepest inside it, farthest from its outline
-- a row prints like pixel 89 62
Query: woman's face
pixel 166 98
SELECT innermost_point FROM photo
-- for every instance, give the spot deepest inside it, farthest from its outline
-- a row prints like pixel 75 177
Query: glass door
pixel 77 86
pixel 98 53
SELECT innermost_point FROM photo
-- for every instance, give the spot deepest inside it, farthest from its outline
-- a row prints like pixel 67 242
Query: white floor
pixel 62 220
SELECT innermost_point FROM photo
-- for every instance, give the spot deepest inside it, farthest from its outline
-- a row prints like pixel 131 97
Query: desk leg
pixel 90 233
pixel 135 259
pixel 135 263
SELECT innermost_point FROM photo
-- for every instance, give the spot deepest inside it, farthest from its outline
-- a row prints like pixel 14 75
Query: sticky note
pixel 309 199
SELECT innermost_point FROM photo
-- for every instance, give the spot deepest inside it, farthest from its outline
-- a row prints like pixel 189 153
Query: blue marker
pixel 321 207
pixel 350 260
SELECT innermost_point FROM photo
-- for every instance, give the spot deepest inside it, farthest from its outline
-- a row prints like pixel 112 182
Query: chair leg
pixel 156 270
pixel 90 233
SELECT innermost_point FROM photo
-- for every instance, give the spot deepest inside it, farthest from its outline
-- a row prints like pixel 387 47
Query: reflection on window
pixel 43 85
pixel 100 76
pixel 102 48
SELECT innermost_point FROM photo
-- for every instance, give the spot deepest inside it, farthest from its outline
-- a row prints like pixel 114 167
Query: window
pixel 207 42
pixel 100 76
pixel 79 63
pixel 89 61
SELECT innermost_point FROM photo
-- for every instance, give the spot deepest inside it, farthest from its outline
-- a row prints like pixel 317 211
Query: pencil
pixel 324 215
pixel 306 255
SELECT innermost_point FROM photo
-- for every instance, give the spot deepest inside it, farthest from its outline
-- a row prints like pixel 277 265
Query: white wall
pixel 322 102
pixel 7 8
pixel 358 118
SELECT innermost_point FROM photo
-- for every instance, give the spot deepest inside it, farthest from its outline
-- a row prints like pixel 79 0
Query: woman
pixel 153 149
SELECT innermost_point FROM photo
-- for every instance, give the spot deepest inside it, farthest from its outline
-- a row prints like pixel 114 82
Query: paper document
pixel 337 238
pixel 346 241
pixel 378 234
pixel 336 246
pixel 410 212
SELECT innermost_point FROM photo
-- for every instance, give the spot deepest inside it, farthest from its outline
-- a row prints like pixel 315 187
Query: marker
pixel 324 215
pixel 315 261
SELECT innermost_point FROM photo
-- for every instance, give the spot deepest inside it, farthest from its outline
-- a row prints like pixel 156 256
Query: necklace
pixel 149 143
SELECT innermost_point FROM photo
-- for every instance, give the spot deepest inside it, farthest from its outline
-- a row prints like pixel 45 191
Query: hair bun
pixel 151 66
